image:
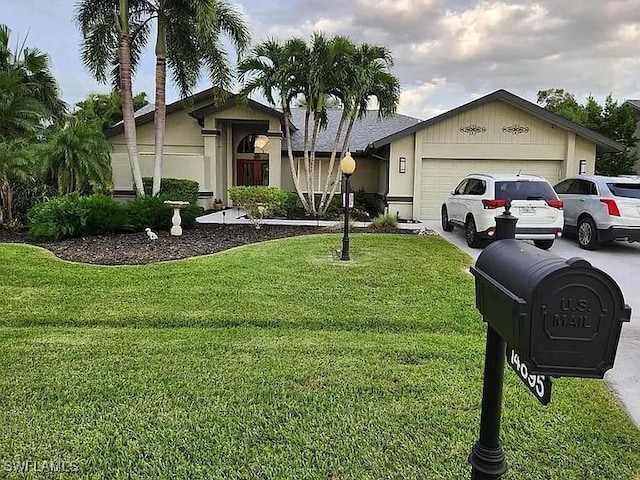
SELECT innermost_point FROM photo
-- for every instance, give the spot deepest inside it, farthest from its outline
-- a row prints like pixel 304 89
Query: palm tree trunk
pixel 307 166
pixel 324 204
pixel 292 166
pixel 345 146
pixel 160 110
pixel 124 52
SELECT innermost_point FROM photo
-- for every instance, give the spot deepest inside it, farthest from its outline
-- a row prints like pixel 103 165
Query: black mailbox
pixel 563 317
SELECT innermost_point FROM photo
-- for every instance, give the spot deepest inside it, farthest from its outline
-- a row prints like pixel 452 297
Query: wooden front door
pixel 253 172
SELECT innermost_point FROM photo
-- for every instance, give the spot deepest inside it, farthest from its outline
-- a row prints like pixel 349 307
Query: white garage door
pixel 439 177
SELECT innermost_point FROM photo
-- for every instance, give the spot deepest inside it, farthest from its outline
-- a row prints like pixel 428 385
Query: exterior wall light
pixel 402 165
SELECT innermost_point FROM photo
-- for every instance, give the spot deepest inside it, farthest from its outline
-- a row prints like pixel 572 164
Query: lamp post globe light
pixel 347 167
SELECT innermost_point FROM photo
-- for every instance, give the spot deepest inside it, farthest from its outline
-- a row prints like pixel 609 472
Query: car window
pixel 564 186
pixel 475 186
pixel 629 190
pixel 524 190
pixel 584 187
pixel 461 186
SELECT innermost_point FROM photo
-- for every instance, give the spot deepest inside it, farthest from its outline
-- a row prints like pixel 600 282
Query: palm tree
pixel 112 34
pixel 29 94
pixel 367 77
pixel 78 157
pixel 276 71
pixel 29 99
pixel 188 38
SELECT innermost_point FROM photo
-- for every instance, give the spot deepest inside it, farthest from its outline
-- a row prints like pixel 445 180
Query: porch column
pixel 211 167
pixel 274 149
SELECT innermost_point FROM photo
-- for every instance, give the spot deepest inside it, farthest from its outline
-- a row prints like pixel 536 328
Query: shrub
pixel 384 222
pixel 372 203
pixel 60 217
pixel 104 214
pixel 152 212
pixel 148 212
pixel 259 201
pixel 174 189
pixel 28 194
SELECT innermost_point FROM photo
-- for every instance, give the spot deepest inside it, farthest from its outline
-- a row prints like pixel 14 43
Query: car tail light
pixel 491 232
pixel 559 204
pixel 558 232
pixel 612 207
pixel 492 204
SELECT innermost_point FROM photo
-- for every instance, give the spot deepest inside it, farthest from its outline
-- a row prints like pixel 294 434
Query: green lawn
pixel 275 361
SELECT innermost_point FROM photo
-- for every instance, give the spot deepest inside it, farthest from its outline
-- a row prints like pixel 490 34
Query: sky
pixel 447 52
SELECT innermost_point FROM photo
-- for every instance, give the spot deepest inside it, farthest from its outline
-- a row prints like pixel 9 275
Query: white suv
pixel 479 198
pixel 601 209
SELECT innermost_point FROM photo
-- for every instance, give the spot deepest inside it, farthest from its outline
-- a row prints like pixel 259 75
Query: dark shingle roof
pixel 365 131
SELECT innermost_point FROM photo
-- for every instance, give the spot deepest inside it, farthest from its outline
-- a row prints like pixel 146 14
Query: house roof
pixel 146 114
pixel 634 103
pixel 364 132
pixel 603 143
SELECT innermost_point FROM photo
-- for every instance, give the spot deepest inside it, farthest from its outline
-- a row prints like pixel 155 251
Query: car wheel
pixel 587 234
pixel 543 244
pixel 447 226
pixel 471 233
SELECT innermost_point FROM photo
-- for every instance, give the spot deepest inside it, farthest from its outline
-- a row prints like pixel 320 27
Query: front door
pixel 253 172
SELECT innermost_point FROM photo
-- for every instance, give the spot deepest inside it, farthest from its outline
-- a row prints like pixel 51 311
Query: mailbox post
pixel 487 457
pixel 562 317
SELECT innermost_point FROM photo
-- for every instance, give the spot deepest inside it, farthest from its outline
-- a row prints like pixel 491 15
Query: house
pixel 412 163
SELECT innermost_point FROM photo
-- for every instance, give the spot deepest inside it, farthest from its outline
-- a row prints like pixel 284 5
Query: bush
pixel 372 203
pixel 174 189
pixel 60 217
pixel 26 195
pixel 259 201
pixel 384 222
pixel 104 214
pixel 152 212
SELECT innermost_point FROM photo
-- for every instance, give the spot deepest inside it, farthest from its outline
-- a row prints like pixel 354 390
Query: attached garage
pixel 440 176
pixel 498 133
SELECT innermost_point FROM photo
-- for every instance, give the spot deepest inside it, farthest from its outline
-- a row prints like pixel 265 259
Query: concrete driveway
pixel 622 262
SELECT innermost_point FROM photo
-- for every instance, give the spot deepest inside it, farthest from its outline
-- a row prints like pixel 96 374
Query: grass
pixel 376 372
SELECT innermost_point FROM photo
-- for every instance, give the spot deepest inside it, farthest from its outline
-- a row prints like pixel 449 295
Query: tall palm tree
pixel 112 33
pixel 78 156
pixel 29 99
pixel 188 38
pixel 29 94
pixel 277 71
pixel 368 76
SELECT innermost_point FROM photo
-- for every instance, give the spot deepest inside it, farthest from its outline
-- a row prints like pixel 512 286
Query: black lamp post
pixel 347 167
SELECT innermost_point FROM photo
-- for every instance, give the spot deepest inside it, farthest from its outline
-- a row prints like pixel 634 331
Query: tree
pixel 112 33
pixel 328 69
pixel 78 157
pixel 105 109
pixel 29 101
pixel 614 121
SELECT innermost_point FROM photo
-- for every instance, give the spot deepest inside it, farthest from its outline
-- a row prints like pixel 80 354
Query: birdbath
pixel 176 220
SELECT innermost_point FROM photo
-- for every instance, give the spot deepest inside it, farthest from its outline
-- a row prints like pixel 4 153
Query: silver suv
pixel 478 198
pixel 601 209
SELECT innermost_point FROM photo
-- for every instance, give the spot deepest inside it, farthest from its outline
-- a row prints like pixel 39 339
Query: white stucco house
pixel 412 163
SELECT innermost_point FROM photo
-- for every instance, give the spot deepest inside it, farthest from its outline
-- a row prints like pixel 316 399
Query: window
pixel 629 190
pixel 475 186
pixel 564 186
pixel 461 187
pixel 524 190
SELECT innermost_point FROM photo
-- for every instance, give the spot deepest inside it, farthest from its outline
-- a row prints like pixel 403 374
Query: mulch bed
pixel 137 249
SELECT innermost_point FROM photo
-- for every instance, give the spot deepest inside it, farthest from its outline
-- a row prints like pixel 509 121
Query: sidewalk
pixel 238 216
